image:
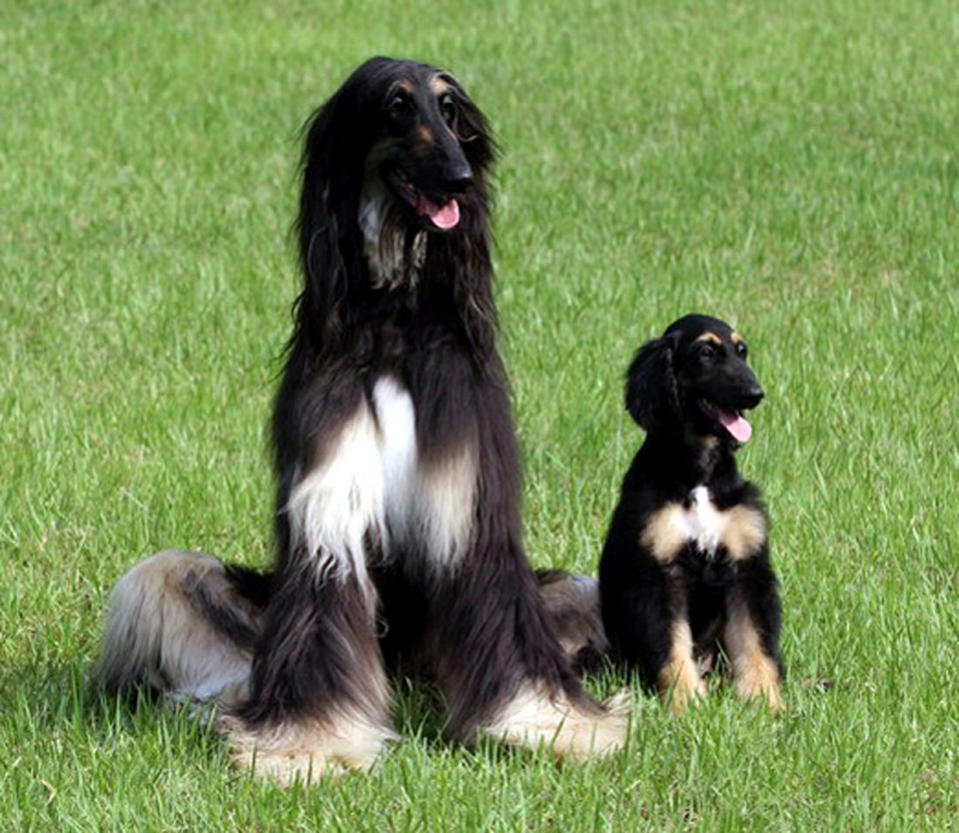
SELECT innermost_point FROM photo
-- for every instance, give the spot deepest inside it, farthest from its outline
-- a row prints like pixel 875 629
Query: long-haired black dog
pixel 686 570
pixel 398 474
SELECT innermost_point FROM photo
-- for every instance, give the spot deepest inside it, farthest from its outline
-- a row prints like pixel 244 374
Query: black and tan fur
pixel 685 574
pixel 183 626
pixel 397 468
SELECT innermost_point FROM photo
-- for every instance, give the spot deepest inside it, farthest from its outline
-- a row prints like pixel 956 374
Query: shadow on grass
pixel 55 696
pixel 63 695
pixel 61 698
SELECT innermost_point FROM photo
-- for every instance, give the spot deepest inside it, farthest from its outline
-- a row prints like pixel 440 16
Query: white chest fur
pixel 740 529
pixel 371 487
pixel 702 522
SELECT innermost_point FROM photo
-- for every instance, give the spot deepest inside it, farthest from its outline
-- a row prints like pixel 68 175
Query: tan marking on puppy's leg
pixel 755 674
pixel 678 681
pixel 744 532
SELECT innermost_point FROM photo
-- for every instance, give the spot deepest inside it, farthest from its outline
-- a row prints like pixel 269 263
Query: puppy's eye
pixel 707 350
pixel 741 350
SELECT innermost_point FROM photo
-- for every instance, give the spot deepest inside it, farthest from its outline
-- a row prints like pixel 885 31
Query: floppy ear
pixel 651 396
pixel 473 132
pixel 328 208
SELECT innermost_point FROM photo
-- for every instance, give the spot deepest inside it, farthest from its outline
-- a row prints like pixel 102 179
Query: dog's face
pixel 428 143
pixel 694 380
pixel 427 122
pixel 395 195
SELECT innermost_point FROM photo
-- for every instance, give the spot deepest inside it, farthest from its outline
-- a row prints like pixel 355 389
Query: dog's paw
pixel 762 689
pixel 681 686
pixel 305 753
pixel 533 718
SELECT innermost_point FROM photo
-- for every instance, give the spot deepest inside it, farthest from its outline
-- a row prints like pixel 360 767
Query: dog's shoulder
pixel 644 490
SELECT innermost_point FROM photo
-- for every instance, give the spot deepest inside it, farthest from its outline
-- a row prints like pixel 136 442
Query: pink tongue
pixel 736 425
pixel 443 216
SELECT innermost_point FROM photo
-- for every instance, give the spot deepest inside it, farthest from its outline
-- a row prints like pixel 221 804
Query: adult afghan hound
pixel 398 474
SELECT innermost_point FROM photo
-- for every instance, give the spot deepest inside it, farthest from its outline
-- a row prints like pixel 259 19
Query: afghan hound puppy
pixel 685 571
pixel 397 468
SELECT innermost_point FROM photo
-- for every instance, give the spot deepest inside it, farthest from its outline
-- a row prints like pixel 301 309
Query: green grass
pixel 790 166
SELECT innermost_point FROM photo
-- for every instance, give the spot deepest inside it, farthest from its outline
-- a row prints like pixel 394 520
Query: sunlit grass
pixel 791 167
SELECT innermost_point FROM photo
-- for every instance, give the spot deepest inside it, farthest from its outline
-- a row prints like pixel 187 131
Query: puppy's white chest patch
pixel 702 522
pixel 740 529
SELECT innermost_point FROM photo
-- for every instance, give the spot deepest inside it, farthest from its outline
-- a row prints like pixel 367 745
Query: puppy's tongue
pixel 736 424
pixel 443 216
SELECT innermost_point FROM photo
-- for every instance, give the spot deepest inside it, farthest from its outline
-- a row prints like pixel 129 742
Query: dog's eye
pixel 449 111
pixel 707 350
pixel 456 119
pixel 400 103
pixel 741 350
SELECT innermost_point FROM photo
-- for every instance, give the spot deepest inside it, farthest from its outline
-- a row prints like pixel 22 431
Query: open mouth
pixel 733 422
pixel 443 214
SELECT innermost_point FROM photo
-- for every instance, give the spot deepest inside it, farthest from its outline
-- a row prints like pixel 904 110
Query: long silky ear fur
pixel 334 150
pixel 463 260
pixel 318 309
pixel 651 395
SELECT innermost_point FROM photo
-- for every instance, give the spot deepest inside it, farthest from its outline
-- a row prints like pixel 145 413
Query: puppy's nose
pixel 753 395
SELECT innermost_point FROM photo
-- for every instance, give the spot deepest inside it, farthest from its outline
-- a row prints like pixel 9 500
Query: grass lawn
pixel 792 167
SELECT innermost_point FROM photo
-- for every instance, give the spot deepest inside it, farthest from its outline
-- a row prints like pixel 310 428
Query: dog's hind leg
pixel 572 603
pixel 177 623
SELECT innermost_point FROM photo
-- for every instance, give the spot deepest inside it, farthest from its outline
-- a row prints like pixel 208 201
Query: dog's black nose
pixel 458 178
pixel 753 395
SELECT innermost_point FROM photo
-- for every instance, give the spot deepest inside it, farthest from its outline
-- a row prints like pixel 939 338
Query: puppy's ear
pixel 651 396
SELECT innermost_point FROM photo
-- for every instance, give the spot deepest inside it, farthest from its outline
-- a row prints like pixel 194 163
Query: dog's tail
pixel 183 624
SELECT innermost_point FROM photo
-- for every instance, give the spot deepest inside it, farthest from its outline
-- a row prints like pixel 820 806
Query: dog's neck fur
pixel 691 460
pixel 394 253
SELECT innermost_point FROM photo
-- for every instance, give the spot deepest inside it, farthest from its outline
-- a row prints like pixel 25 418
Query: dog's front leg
pixel 319 701
pixel 751 634
pixel 677 679
pixel 501 667
pixel 644 609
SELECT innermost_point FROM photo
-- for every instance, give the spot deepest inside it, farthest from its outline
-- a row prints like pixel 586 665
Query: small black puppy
pixel 685 570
